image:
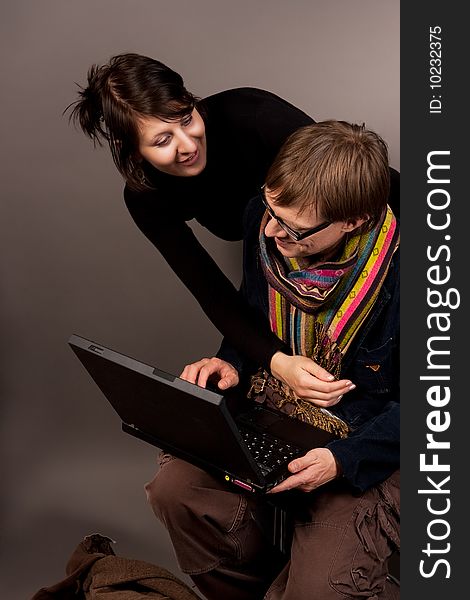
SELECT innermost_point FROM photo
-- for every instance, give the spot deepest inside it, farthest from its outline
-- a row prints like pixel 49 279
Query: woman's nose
pixel 186 144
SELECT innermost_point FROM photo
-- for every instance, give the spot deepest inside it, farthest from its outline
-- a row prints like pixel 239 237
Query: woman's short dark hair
pixel 130 86
pixel 337 168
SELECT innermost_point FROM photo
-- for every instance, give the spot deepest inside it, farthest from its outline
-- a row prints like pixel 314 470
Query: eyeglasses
pixel 297 236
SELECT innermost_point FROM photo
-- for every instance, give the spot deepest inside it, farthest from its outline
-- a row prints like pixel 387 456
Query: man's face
pixel 321 242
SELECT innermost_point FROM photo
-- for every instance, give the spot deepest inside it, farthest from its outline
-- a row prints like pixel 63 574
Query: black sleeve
pixel 276 119
pixel 215 293
pixel 253 289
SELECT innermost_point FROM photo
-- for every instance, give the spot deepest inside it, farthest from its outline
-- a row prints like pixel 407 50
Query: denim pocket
pixel 373 368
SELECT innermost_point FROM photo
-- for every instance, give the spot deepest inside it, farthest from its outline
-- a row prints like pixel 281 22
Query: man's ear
pixel 349 226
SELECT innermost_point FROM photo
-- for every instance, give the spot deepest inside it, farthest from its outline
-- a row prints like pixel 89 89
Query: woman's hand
pixel 199 372
pixel 308 380
pixel 314 469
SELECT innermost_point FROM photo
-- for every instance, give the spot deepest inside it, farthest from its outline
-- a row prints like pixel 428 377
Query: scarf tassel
pixel 266 388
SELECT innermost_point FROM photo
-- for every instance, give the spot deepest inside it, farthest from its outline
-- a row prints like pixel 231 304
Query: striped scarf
pixel 319 310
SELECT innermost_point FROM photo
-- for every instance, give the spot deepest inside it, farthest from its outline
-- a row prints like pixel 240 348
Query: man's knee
pixel 208 523
pixel 172 486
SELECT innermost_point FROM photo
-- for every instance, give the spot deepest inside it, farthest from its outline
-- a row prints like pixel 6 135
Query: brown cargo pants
pixel 340 546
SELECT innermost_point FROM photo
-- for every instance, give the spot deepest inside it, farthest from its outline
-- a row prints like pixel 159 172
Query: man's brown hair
pixel 336 168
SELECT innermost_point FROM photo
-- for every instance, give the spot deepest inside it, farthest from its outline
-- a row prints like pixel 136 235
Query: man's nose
pixel 273 229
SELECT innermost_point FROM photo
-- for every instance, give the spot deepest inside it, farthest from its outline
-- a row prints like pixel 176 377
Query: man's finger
pixel 228 380
pixel 190 372
pixel 288 484
pixel 311 382
pixel 325 394
pixel 206 371
pixel 314 369
pixel 301 463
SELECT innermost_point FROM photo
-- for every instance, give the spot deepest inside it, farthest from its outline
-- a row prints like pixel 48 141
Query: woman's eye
pixel 163 142
pixel 186 120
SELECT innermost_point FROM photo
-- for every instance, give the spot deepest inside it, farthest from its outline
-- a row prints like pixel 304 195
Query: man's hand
pixel 308 380
pixel 199 372
pixel 314 469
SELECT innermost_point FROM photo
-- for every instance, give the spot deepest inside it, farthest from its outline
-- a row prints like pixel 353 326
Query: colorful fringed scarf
pixel 319 310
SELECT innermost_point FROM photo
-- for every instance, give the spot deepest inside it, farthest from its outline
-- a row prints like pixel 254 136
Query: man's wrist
pixel 339 468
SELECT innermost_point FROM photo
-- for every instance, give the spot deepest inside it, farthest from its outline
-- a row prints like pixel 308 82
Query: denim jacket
pixel 371 452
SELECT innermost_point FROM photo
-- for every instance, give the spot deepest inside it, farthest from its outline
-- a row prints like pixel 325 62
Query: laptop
pixel 236 439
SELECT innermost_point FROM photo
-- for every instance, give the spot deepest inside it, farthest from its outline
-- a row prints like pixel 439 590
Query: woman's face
pixel 175 147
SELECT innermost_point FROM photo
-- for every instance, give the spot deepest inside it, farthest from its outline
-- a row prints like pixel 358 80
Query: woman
pixel 185 158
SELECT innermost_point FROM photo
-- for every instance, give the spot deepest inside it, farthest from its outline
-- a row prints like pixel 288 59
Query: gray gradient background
pixel 72 261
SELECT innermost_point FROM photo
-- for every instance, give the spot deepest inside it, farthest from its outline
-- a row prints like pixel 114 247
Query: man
pixel 321 263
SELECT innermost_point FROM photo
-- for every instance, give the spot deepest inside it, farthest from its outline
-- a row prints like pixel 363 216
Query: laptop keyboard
pixel 269 452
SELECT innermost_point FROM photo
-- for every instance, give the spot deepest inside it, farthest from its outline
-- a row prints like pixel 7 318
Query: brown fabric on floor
pixel 94 572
